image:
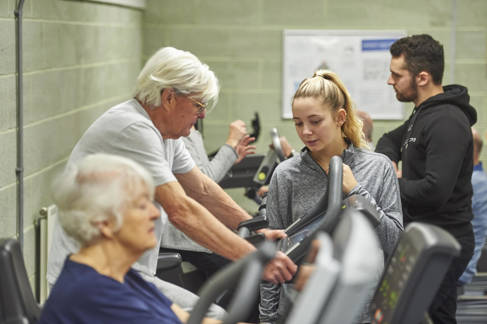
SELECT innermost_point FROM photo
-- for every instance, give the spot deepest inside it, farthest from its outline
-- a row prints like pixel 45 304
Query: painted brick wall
pixel 79 59
pixel 242 42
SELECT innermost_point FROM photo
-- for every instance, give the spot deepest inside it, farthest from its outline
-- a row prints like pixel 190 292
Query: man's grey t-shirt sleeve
pixel 183 162
pixel 144 145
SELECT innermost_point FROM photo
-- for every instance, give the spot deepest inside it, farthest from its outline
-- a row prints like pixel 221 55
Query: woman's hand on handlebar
pixel 349 181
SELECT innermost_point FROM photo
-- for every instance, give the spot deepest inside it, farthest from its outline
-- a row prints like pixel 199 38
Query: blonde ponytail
pixel 327 86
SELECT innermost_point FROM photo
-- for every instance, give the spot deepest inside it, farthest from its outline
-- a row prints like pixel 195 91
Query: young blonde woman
pixel 327 125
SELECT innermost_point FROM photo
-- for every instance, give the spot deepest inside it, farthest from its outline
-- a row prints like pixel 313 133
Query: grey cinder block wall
pixel 81 57
pixel 242 42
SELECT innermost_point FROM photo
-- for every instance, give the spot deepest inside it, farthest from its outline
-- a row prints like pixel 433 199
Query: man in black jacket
pixel 435 147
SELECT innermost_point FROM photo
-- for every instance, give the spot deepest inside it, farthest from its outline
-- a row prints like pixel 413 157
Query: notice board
pixel 360 58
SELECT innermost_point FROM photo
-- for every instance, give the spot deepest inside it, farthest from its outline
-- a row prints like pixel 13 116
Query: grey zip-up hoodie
pixel 298 184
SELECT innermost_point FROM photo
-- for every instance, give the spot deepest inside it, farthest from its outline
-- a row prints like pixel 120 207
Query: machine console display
pixel 413 274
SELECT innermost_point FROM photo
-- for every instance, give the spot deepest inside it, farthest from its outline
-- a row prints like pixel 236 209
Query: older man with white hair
pixel 173 90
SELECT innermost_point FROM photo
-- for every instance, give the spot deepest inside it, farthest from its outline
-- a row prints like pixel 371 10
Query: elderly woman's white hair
pixel 96 189
pixel 179 70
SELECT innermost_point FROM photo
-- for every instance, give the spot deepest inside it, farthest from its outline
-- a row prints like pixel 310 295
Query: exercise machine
pixel 255 170
pixel 413 275
pixel 17 302
pixel 344 269
pixel 325 215
pixel 249 270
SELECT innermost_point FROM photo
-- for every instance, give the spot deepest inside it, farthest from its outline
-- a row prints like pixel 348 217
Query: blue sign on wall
pixel 377 44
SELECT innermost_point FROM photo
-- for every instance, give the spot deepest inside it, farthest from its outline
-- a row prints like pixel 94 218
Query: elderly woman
pixel 105 204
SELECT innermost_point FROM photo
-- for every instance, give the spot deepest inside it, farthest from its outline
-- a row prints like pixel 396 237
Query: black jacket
pixel 437 159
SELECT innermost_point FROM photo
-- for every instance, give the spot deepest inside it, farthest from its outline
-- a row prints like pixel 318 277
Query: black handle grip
pixel 333 197
pixel 226 278
pixel 330 218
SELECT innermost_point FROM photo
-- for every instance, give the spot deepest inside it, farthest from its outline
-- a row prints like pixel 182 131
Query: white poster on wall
pixel 360 58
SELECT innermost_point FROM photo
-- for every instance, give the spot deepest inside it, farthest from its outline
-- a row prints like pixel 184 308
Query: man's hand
pixel 243 148
pixel 272 235
pixel 280 269
pixel 236 132
pixel 398 172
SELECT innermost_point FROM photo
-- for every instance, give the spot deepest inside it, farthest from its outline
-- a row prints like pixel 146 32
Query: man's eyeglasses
pixel 201 107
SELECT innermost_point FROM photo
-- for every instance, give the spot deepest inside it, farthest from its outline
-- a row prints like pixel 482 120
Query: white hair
pixel 179 70
pixel 97 189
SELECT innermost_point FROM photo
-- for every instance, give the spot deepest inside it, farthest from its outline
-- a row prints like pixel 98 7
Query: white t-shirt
pixel 127 130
